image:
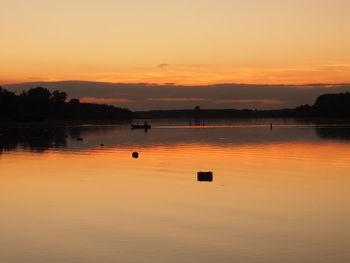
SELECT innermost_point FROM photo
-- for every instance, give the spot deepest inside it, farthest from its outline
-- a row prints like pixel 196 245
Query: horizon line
pixel 180 85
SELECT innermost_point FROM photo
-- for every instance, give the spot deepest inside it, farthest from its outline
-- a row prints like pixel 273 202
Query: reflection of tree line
pixel 34 138
pixel 40 138
pixel 334 133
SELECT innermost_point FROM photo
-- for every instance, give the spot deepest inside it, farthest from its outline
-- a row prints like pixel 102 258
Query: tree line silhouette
pixel 40 104
pixel 327 105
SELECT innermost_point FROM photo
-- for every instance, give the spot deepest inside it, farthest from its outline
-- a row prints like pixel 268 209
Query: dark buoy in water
pixel 203 123
pixel 190 123
pixel 135 155
pixel 270 126
pixel 205 176
pixel 79 139
pixel 102 145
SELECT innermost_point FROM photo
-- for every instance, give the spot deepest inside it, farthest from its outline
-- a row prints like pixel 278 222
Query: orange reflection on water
pixel 268 202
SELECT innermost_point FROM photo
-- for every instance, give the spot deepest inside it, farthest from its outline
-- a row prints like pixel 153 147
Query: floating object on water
pixel 205 176
pixel 141 126
pixel 135 155
pixel 135 126
pixel 270 126
pixel 102 145
pixel 79 139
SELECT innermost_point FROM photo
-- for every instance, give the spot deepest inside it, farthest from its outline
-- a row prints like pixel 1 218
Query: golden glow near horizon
pixel 184 42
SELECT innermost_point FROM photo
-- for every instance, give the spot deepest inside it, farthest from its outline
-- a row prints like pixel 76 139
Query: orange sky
pixel 184 42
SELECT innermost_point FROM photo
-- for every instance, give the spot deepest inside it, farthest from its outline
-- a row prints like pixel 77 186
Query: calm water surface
pixel 279 195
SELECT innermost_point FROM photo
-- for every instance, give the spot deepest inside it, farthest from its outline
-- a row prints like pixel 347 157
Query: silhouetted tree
pixel 58 97
pixel 39 103
pixel 333 105
pixel 74 101
pixel 8 103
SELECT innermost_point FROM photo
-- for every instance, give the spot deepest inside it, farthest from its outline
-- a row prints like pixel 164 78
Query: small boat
pixel 142 126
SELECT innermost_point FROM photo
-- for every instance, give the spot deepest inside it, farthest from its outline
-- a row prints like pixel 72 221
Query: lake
pixel 278 195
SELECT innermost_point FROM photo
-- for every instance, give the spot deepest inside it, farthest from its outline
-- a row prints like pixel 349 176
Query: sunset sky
pixel 188 42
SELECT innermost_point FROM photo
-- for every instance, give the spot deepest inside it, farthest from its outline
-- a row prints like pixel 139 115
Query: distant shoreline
pixel 39 105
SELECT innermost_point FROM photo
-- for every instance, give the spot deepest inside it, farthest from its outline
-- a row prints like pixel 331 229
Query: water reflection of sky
pixel 222 133
pixel 276 196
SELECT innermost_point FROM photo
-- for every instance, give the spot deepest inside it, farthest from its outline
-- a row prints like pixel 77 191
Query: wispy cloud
pixel 254 101
pixel 177 99
pixel 163 65
pixel 102 100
